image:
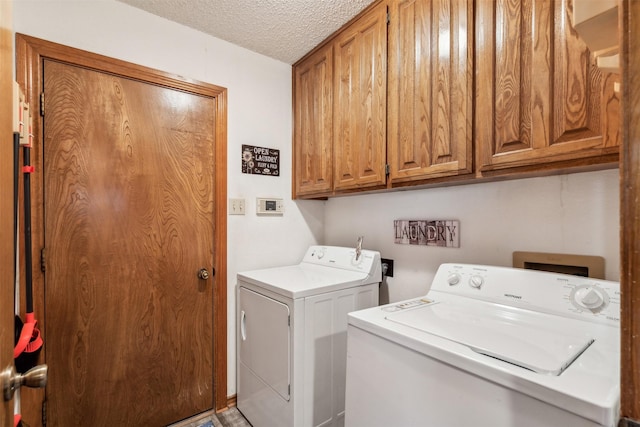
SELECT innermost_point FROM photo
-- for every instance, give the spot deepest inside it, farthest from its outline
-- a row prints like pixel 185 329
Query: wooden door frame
pixel 630 211
pixel 30 55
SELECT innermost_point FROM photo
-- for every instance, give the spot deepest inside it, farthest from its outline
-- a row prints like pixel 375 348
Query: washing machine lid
pixel 542 343
pixel 304 279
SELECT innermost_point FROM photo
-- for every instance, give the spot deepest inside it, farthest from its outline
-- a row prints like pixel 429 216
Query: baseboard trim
pixel 231 402
pixel 627 422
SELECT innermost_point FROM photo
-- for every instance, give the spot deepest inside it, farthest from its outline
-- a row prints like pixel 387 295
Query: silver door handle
pixel 243 326
pixel 12 380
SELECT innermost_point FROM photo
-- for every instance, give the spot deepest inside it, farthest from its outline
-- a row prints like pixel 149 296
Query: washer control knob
pixel 320 254
pixel 453 279
pixel 476 281
pixel 590 298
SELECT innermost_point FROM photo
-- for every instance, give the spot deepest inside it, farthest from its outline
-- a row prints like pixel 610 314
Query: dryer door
pixel 264 341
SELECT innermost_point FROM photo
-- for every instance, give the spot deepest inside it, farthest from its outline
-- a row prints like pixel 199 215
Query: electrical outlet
pixel 387 267
pixel 236 207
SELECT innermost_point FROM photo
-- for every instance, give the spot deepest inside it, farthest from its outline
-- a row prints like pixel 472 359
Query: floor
pixel 229 418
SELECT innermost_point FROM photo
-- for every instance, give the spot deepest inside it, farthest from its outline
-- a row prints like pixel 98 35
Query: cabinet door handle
pixel 243 325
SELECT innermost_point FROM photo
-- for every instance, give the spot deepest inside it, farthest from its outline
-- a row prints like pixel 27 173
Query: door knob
pixel 11 380
pixel 203 274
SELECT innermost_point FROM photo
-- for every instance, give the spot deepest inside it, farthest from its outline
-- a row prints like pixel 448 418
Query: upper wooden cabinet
pixel 313 113
pixel 441 91
pixel 540 99
pixel 360 104
pixel 430 89
pixel 340 110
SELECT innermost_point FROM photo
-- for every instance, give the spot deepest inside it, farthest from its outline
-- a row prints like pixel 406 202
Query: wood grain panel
pixel 430 89
pixel 540 97
pixel 360 115
pixel 313 121
pixel 442 100
pixel 128 223
pixel 540 100
pixel 509 78
pixel 577 82
pixel 347 92
pixel 630 212
pixel 412 135
pixel 612 109
pixel 6 202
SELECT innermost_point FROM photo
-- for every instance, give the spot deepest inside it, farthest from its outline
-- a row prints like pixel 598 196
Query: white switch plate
pixel 236 206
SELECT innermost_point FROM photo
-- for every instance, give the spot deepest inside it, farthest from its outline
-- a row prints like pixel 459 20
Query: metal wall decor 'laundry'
pixel 260 160
pixel 443 233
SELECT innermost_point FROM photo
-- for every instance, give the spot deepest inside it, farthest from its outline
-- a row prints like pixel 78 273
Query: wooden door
pixel 128 222
pixel 540 98
pixel 360 104
pixel 6 204
pixel 430 89
pixel 313 121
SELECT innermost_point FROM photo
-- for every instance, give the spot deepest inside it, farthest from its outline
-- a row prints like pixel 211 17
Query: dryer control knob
pixel 453 279
pixel 476 281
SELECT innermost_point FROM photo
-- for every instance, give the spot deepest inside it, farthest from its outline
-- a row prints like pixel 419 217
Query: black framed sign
pixel 260 160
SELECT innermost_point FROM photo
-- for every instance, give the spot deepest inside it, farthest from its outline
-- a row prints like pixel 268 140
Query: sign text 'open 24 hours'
pixel 260 160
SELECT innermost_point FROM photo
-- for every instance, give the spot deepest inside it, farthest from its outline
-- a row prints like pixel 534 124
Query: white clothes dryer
pixel 488 347
pixel 291 335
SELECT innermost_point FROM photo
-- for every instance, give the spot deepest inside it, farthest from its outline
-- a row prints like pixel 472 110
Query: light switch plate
pixel 236 207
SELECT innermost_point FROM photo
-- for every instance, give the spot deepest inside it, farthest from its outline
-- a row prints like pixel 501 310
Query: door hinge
pixel 44 413
pixel 388 17
pixel 43 264
pixel 386 169
pixel 42 104
pixel 289 320
pixel 289 389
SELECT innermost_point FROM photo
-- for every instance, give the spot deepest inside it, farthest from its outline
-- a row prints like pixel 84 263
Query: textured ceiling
pixel 281 29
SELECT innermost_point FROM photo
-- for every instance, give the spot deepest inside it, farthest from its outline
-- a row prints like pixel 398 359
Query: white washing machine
pixel 292 335
pixel 488 347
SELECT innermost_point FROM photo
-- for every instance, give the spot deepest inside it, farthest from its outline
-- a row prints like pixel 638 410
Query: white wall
pixel 259 113
pixel 575 214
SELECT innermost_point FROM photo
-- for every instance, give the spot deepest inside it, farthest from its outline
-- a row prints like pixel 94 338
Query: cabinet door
pixel 430 88
pixel 360 112
pixel 264 345
pixel 539 96
pixel 312 145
